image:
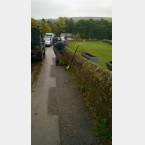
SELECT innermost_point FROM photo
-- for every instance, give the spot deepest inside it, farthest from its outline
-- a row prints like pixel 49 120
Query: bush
pixel 107 41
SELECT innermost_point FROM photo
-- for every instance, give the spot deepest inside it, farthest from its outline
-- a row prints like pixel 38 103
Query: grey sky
pixel 70 8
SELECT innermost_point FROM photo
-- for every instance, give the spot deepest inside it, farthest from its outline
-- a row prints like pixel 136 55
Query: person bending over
pixel 58 49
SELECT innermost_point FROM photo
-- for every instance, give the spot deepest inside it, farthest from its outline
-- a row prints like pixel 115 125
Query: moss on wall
pixel 96 83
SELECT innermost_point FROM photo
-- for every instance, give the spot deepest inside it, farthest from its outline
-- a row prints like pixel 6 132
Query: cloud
pixel 70 8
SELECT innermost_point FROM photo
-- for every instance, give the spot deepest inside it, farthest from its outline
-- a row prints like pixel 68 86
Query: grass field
pixel 102 50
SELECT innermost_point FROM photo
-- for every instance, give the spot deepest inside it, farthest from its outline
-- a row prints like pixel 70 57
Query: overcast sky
pixel 70 8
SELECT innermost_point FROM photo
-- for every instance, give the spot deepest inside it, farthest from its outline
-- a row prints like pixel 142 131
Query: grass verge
pixel 100 49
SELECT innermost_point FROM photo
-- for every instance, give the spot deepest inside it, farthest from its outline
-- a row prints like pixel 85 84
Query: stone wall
pixel 95 82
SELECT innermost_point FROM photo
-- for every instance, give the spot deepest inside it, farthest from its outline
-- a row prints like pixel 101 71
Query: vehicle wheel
pixel 41 56
pixel 44 54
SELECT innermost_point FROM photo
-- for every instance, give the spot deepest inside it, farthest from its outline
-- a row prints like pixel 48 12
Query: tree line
pixel 82 29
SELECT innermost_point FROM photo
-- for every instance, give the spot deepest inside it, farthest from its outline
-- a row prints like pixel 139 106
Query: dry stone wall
pixel 95 81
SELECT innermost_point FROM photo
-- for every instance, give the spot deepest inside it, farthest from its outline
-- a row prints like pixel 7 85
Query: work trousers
pixel 57 54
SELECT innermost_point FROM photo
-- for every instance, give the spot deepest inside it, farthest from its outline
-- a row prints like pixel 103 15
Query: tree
pixel 45 27
pixel 51 25
pixel 86 29
pixel 33 22
pixel 70 26
pixel 82 28
pixel 60 25
pixel 43 20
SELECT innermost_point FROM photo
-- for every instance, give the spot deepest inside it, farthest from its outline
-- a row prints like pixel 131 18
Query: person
pixel 58 49
pixel 54 40
pixel 65 36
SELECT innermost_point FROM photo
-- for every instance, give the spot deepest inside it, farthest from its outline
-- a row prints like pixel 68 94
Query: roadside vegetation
pixel 35 70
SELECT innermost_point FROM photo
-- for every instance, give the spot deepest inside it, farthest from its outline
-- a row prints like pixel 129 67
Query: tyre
pixel 40 56
pixel 43 54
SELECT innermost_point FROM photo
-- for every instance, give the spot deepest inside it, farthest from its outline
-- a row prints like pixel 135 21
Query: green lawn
pixel 102 50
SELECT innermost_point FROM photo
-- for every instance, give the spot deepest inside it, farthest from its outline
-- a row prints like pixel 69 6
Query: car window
pixel 48 35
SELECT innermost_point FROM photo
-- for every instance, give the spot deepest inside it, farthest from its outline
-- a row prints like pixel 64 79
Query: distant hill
pixel 88 18
pixel 79 18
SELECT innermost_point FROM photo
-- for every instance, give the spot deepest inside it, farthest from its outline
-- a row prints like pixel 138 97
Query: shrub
pixel 107 41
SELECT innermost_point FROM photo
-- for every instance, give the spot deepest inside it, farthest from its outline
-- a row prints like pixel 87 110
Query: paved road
pixel 59 116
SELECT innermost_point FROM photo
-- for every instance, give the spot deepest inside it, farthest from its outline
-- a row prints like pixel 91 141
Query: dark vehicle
pixel 37 44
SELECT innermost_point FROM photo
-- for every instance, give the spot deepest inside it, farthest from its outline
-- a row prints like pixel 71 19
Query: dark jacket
pixel 59 46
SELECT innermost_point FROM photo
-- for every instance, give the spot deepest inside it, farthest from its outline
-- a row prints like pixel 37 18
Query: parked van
pixel 37 44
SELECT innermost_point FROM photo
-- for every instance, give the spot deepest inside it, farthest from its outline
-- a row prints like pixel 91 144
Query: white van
pixel 49 39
